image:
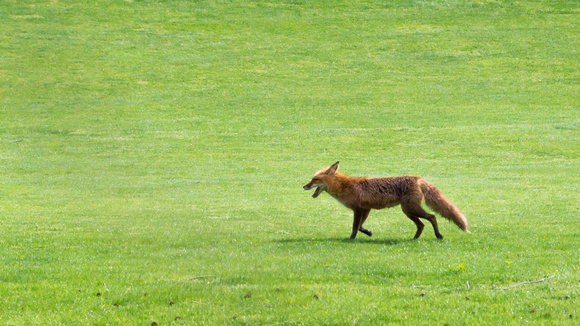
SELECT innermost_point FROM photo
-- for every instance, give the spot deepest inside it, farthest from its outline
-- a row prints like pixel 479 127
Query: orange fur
pixel 361 194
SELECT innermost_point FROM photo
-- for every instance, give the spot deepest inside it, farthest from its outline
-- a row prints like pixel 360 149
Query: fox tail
pixel 440 204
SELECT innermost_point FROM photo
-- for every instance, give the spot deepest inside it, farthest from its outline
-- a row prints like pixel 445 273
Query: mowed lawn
pixel 152 157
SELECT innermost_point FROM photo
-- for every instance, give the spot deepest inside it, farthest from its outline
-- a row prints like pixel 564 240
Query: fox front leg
pixel 355 223
pixel 360 215
pixel 362 221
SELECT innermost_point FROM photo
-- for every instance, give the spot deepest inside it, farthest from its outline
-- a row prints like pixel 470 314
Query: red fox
pixel 361 194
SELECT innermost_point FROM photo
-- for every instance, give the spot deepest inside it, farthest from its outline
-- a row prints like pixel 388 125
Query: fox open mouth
pixel 317 192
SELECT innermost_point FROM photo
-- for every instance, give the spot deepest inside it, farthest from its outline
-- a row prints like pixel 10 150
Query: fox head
pixel 319 179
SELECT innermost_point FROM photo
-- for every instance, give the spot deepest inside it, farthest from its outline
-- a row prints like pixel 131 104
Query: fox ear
pixel 332 169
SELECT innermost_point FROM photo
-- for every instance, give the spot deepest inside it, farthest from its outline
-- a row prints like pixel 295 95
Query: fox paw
pixel 367 232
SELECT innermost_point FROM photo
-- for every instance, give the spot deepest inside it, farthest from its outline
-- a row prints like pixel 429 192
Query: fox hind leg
pixel 431 218
pixel 414 211
pixel 419 224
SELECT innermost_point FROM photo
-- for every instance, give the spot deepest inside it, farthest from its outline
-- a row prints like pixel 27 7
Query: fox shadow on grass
pixel 385 241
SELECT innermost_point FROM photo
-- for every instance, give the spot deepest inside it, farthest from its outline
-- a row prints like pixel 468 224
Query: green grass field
pixel 152 155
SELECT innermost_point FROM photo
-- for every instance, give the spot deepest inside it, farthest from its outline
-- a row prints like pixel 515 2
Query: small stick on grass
pixel 202 276
pixel 381 278
pixel 537 281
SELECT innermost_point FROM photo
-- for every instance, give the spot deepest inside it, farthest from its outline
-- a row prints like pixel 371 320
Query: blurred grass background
pixel 154 151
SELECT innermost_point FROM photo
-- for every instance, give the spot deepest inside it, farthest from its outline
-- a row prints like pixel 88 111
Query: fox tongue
pixel 317 192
